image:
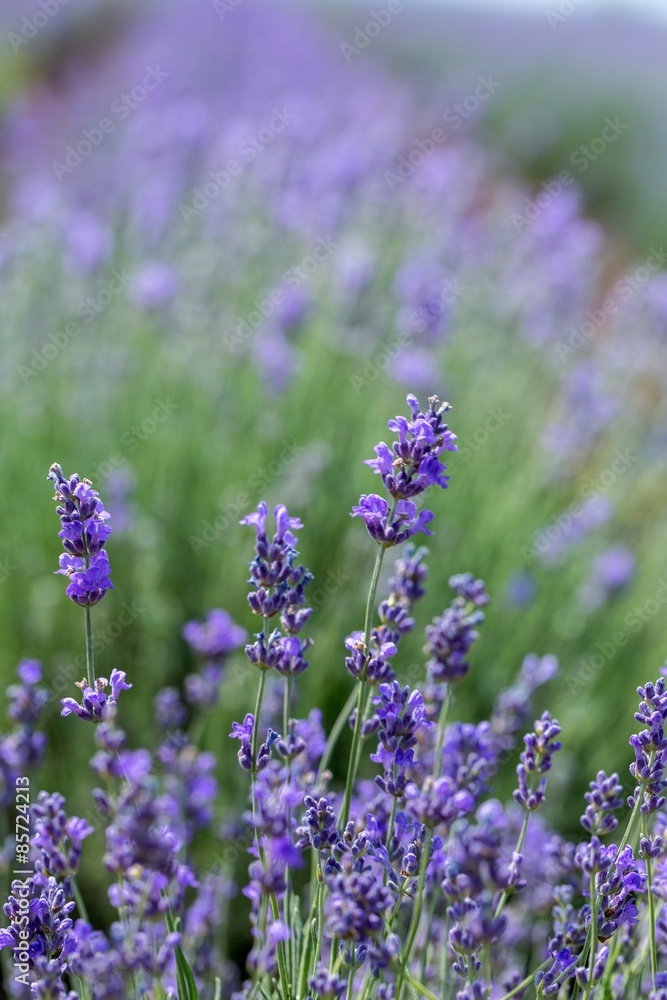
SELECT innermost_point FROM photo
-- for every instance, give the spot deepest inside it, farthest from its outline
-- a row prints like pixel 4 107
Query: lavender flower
pixel 96 705
pixel 537 758
pixel 369 664
pixel 278 583
pixel 319 825
pixel 400 714
pixel 244 732
pixel 57 837
pixel 603 799
pixel 84 534
pixel 411 465
pixel 391 527
pixel 650 747
pixel 214 638
pixel 450 637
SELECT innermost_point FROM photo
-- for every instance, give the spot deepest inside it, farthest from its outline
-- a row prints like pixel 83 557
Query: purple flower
pixel 411 465
pixel 388 528
pixel 438 802
pixel 278 583
pixel 96 705
pixel 244 732
pixel 449 638
pixel 84 534
pixel 170 712
pixel 318 829
pixel 401 714
pixel 650 747
pixel 470 589
pixel 536 758
pixel 605 797
pixel 57 837
pixel 88 584
pixel 410 574
pixel 214 638
pixel 371 665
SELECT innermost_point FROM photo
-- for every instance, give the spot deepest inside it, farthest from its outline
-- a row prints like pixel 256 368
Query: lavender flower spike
pixel 389 529
pixel 411 465
pixel 96 705
pixel 84 534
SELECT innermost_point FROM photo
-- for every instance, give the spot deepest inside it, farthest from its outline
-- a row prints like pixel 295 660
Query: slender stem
pixel 594 924
pixel 440 737
pixel 530 978
pixel 78 898
pixel 519 844
pixel 651 908
pixel 354 753
pixel 336 730
pixel 258 709
pixel 363 687
pixel 90 661
pixel 320 915
pixel 416 913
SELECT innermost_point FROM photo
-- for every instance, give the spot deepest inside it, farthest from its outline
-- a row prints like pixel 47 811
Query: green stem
pixel 258 709
pixel 363 687
pixel 525 982
pixel 90 661
pixel 651 909
pixel 440 738
pixel 416 913
pixel 594 923
pixel 78 898
pixel 354 753
pixel 519 844
pixel 336 730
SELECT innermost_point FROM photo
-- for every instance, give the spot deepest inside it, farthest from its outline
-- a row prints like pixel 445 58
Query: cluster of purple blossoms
pixel 57 837
pixel 278 588
pixel 22 749
pixel 211 641
pixel 96 705
pixel 399 715
pixel 408 468
pixel 411 879
pixel 650 747
pixel 537 758
pixel 84 534
pixel 451 635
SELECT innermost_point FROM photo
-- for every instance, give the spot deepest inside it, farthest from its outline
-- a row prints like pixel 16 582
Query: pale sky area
pixel 652 8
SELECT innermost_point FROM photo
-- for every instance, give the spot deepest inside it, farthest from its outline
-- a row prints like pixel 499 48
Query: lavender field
pixel 338 335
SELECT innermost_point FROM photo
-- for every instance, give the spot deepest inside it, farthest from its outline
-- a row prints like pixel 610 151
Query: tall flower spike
pixel 84 534
pixel 411 465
